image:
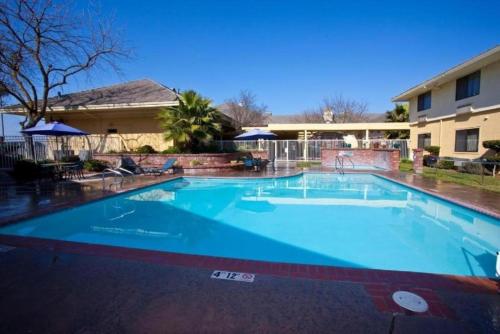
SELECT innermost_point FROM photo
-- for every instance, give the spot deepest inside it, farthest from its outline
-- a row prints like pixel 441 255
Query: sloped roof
pixel 483 59
pixel 138 91
pixel 132 93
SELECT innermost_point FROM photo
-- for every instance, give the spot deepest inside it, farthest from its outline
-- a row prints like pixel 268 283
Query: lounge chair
pixel 255 164
pixel 129 164
pixel 168 165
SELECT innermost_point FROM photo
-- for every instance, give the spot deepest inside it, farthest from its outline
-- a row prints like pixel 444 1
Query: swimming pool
pixel 351 220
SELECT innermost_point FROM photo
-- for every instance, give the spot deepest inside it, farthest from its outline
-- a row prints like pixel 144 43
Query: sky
pixel 293 54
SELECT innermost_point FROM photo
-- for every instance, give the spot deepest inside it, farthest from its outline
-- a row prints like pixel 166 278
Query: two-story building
pixel 458 109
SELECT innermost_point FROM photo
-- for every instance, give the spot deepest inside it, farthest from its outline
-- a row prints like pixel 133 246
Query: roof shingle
pixel 138 91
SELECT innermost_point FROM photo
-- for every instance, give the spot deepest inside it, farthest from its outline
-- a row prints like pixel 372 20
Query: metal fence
pixel 310 150
pixel 39 148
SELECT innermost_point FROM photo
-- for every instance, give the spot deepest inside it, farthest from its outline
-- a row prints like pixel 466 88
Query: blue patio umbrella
pixel 256 134
pixel 54 129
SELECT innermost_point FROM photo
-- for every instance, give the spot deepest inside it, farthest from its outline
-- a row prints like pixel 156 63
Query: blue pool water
pixel 357 220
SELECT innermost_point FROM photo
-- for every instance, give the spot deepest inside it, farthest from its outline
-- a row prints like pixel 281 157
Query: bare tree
pixel 309 116
pixel 244 110
pixel 341 110
pixel 43 44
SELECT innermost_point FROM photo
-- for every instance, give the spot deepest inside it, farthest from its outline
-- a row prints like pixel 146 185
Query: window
pixel 424 101
pixel 468 86
pixel 466 140
pixel 424 140
pixel 110 131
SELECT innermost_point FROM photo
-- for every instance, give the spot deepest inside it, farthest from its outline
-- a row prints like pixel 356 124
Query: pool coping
pixel 452 200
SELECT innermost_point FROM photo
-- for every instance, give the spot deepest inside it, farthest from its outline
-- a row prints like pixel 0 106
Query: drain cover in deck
pixel 410 301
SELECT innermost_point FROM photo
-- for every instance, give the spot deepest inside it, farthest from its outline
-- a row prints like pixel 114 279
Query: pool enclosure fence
pixel 13 148
pixel 310 150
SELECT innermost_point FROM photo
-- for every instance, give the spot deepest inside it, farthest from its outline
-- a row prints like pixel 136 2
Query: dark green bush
pixel 492 144
pixel 473 168
pixel 446 164
pixel 430 160
pixel 26 170
pixel 171 150
pixel 308 164
pixel 493 158
pixel 146 149
pixel 433 150
pixel 95 165
pixel 71 158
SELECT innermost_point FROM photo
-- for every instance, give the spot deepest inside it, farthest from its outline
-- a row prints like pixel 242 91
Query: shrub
pixel 95 165
pixel 492 144
pixel 193 163
pixel 446 164
pixel 493 158
pixel 307 164
pixel 473 168
pixel 429 160
pixel 71 158
pixel 26 170
pixel 406 161
pixel 145 149
pixel 433 150
pixel 171 150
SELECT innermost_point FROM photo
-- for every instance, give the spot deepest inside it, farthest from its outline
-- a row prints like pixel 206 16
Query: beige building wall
pixel 442 121
pixel 443 132
pixel 443 97
pixel 134 128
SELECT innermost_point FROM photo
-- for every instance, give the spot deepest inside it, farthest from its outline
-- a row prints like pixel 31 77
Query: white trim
pixel 379 126
pixel 474 64
pixel 474 111
pixel 99 107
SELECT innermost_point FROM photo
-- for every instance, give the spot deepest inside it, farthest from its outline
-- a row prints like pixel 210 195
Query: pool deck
pixel 57 286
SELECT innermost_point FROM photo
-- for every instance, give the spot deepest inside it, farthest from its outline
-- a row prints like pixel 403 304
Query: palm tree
pixel 191 124
pixel 398 114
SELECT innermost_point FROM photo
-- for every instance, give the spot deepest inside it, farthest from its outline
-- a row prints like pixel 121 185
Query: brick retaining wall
pixel 383 158
pixel 183 160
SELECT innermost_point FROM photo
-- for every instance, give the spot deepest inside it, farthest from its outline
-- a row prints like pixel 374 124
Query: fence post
pixel 287 151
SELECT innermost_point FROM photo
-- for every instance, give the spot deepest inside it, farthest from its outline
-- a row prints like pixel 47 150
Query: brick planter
pixel 382 158
pixel 208 162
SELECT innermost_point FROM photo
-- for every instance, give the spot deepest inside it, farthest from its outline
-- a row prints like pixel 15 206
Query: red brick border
pixel 379 284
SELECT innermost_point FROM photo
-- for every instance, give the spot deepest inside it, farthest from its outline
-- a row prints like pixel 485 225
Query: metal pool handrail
pixel 114 183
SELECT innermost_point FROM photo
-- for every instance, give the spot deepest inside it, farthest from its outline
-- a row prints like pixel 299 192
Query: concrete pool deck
pixel 57 292
pixel 55 286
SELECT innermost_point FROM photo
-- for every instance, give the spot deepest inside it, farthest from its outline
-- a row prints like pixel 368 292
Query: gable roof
pixel 137 93
pixel 490 56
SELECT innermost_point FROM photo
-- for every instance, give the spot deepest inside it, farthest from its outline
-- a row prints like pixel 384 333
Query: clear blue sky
pixel 292 54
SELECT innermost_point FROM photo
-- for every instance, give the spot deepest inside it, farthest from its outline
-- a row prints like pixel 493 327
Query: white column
pixel 306 153
pixel 367 134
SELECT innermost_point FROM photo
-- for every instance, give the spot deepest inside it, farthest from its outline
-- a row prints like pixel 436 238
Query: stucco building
pixel 457 109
